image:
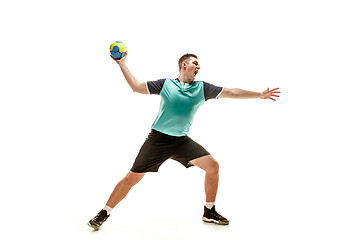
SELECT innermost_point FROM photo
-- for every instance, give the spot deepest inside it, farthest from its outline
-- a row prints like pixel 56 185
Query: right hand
pixel 118 61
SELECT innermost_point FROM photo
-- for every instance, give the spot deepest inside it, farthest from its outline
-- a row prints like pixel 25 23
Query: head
pixel 189 66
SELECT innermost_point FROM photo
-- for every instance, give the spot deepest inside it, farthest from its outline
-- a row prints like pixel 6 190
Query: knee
pixel 133 178
pixel 213 168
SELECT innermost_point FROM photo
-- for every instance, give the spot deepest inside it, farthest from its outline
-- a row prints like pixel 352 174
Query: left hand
pixel 269 94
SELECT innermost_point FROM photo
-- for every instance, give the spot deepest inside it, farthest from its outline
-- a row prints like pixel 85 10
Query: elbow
pixel 139 88
pixel 135 90
pixel 232 93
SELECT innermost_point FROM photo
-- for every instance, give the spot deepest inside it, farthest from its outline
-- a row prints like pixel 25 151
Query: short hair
pixel 184 58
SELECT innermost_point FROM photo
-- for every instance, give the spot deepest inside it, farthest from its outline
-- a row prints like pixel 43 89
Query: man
pixel 180 99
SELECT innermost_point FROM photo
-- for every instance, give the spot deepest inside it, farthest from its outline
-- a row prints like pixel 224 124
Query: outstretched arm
pixel 238 93
pixel 136 86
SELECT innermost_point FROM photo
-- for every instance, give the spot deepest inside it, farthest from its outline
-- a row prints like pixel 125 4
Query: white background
pixel 70 127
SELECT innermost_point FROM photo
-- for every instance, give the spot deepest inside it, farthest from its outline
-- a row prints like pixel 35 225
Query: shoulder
pixel 211 91
pixel 155 87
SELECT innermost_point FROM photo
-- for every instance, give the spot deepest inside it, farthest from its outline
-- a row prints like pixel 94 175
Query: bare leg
pixel 123 187
pixel 211 168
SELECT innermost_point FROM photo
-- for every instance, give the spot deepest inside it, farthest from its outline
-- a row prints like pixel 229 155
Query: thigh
pixel 188 150
pixel 150 158
pixel 156 149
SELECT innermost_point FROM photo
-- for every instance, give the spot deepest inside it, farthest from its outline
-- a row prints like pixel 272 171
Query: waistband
pixel 163 135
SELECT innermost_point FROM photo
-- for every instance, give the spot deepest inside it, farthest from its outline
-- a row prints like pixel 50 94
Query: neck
pixel 184 79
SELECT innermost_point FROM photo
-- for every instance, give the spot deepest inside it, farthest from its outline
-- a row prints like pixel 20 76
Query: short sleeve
pixel 155 87
pixel 211 91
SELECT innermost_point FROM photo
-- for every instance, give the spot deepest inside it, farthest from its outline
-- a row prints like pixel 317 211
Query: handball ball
pixel 117 49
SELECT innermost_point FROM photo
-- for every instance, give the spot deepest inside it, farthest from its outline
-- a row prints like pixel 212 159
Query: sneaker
pixel 211 216
pixel 99 219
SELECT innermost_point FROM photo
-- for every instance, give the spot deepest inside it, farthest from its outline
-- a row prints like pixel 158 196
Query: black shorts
pixel 158 147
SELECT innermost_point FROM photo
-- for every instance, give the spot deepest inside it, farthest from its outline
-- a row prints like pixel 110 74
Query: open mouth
pixel 196 72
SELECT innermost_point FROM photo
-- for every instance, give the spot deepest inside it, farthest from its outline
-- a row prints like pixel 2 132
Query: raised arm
pixel 136 86
pixel 238 93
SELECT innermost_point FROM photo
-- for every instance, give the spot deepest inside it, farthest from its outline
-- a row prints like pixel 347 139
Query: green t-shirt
pixel 179 103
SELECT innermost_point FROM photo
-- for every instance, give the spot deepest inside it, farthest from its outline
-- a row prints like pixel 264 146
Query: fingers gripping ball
pixel 117 49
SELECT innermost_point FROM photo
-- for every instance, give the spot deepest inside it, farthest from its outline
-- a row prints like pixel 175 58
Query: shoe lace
pixel 100 216
pixel 217 215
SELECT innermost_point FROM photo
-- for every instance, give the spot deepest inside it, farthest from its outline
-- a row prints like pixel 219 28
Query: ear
pixel 184 64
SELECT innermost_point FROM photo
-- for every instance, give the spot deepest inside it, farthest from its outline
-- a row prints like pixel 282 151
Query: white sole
pixel 94 227
pixel 214 221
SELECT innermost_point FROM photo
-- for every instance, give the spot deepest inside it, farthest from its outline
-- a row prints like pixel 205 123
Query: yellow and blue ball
pixel 117 49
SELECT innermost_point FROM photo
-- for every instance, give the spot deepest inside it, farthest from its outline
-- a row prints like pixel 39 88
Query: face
pixel 192 67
